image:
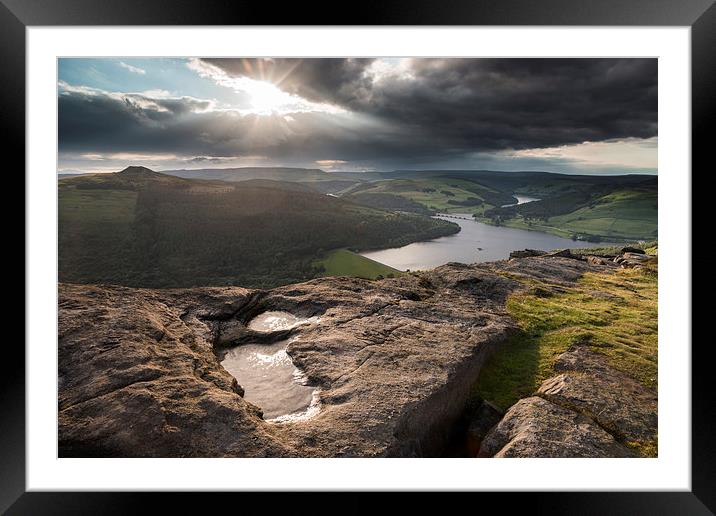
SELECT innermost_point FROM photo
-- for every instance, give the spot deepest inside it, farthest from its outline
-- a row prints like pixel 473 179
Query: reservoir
pixel 476 242
pixel 521 199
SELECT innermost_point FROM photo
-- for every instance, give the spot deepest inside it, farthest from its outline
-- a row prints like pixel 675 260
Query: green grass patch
pixel 613 313
pixel 343 262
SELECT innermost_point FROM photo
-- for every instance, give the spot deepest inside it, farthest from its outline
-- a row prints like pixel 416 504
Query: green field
pixel 438 194
pixel 343 262
pixel 624 214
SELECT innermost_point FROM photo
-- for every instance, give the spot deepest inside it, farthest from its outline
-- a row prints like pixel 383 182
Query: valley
pixel 265 227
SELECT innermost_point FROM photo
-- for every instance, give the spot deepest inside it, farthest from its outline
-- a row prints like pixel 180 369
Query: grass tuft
pixel 613 313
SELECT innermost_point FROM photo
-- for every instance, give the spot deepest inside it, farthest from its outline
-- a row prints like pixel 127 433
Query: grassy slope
pixel 343 262
pixel 435 193
pixel 614 314
pixel 621 215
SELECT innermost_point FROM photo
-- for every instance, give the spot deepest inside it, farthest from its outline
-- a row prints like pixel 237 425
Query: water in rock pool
pixel 275 321
pixel 268 376
pixel 270 380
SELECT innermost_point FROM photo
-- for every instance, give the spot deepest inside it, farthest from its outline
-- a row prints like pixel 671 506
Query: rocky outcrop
pixel 535 427
pixel 634 260
pixel 394 362
pixel 590 409
pixel 138 377
pixel 629 257
pixel 611 398
pixel 526 253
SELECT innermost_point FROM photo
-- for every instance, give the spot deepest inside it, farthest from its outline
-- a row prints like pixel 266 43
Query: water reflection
pixel 476 242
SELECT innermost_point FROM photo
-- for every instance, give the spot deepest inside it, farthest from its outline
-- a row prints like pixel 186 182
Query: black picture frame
pixel 700 15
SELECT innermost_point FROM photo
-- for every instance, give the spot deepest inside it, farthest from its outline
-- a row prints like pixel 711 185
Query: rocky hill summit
pixel 393 361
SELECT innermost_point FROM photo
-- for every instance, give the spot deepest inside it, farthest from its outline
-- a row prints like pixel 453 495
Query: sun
pixel 266 98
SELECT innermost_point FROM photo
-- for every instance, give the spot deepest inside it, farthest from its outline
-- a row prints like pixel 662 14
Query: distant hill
pixel 525 182
pixel 139 227
pixel 246 173
pixel 131 178
pixel 322 181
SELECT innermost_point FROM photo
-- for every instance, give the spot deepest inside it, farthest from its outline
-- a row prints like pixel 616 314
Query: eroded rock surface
pixel 590 409
pixel 535 427
pixel 394 361
pixel 610 397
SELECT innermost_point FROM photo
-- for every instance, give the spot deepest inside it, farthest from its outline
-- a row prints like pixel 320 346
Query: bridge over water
pixel 449 216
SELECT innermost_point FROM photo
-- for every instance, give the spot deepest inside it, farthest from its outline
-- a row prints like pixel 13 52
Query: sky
pixel 586 116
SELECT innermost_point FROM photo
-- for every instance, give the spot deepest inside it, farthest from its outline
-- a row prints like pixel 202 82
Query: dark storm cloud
pixel 482 104
pixel 425 111
pixel 492 104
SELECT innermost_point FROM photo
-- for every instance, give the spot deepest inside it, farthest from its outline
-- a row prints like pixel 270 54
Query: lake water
pixel 476 242
pixel 267 374
pixel 521 199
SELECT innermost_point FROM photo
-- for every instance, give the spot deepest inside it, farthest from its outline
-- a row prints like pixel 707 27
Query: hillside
pixel 142 228
pixel 595 208
pixel 529 183
pixel 616 211
pixel 318 179
pixel 431 194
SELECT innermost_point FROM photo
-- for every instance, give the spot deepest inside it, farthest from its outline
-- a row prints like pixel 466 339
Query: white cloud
pixel 128 156
pixel 627 152
pixel 133 69
pixel 157 94
pixel 155 100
